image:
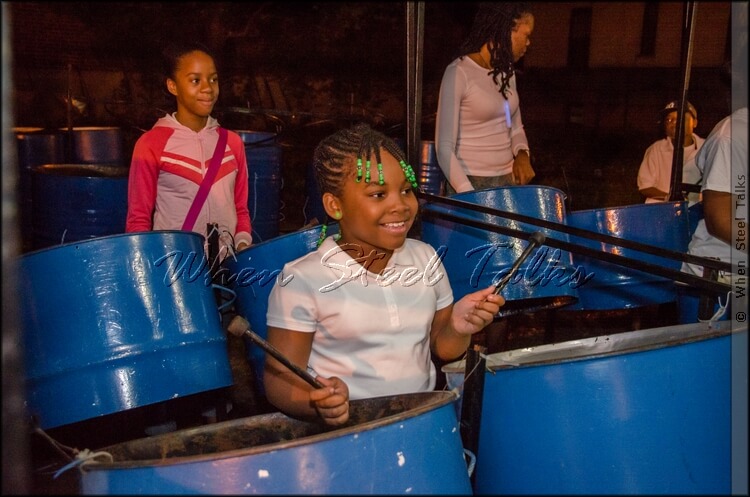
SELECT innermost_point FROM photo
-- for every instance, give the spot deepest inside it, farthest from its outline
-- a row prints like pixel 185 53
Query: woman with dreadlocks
pixel 479 135
pixel 365 311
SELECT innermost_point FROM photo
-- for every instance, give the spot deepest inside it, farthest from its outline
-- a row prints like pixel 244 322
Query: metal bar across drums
pixel 696 281
pixel 572 230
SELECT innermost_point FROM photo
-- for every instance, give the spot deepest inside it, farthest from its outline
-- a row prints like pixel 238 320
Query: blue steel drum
pixel 74 202
pixel 253 273
pixel 118 322
pixel 35 147
pixel 103 145
pixel 664 225
pixel 264 175
pixel 402 444
pixel 429 176
pixel 474 258
pixel 640 412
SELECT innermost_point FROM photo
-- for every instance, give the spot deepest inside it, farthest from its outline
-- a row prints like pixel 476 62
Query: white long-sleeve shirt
pixel 478 132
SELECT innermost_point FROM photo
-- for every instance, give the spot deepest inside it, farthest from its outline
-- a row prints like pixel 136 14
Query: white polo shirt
pixel 372 331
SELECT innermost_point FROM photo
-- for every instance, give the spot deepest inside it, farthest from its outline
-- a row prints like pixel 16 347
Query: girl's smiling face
pixel 374 216
pixel 195 86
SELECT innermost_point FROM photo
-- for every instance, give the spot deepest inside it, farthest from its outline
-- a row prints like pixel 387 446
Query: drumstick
pixel 239 326
pixel 537 238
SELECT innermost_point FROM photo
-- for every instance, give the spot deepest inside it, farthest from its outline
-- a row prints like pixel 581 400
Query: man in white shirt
pixel 655 173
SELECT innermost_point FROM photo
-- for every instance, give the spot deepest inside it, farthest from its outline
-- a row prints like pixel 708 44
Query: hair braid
pixel 493 24
pixel 335 157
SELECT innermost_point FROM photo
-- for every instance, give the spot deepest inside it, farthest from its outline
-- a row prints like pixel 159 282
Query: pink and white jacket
pixel 169 162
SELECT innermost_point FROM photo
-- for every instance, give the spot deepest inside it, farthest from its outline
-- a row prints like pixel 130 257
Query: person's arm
pixel 647 174
pixel 523 172
pixel 654 193
pixel 290 393
pixel 447 128
pixel 453 326
pixel 242 236
pixel 142 181
pixel 717 213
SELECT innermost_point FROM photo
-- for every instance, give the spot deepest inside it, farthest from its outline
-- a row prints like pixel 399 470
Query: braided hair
pixel 339 158
pixel 493 23
pixel 335 157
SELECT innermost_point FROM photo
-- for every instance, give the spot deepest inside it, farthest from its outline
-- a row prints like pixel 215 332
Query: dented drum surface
pixel 118 322
pixel 402 444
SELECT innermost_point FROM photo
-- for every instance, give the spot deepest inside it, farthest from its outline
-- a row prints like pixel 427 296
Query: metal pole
pixel 688 29
pixel 473 393
pixel 414 69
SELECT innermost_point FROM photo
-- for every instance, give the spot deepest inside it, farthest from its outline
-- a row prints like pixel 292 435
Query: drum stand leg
pixel 471 406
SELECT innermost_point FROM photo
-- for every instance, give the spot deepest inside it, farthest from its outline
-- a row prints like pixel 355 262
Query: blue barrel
pixel 664 225
pixel 402 444
pixel 36 147
pixel 474 258
pixel 642 412
pixel 119 322
pixel 252 273
pixel 264 170
pixel 103 145
pixel 429 176
pixel 75 202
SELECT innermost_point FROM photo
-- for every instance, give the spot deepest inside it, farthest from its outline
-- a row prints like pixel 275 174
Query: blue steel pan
pixel 118 322
pixel 664 225
pixel 474 258
pixel 252 273
pixel 402 444
pixel 641 412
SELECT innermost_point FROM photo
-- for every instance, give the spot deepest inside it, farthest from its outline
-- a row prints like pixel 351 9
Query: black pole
pixel 473 393
pixel 564 228
pixel 688 29
pixel 646 267
pixel 414 60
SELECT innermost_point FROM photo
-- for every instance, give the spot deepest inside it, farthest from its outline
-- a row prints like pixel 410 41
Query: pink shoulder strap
pixel 208 181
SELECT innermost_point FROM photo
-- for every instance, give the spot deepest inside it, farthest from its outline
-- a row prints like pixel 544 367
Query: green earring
pixel 337 215
pixel 322 236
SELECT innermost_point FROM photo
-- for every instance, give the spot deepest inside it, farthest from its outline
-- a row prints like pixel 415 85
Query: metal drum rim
pixel 108 237
pixel 444 398
pixel 535 356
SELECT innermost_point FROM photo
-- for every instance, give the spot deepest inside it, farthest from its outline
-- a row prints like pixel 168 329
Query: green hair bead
pixel 381 180
pixel 359 170
pixel 409 173
pixel 367 172
pixel 322 236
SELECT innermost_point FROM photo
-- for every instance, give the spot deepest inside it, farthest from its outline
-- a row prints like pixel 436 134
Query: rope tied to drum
pixel 720 311
pixel 85 457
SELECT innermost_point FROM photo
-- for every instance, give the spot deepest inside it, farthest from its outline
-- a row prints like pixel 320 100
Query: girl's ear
pixel 171 87
pixel 332 205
